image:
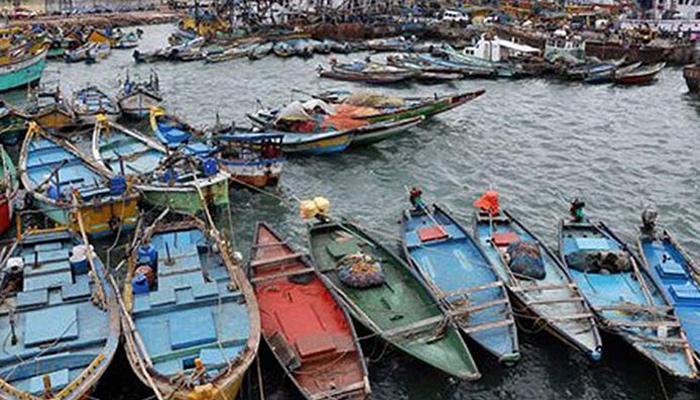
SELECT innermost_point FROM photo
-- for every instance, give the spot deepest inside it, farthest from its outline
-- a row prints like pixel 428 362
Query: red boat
pixel 310 335
pixel 640 76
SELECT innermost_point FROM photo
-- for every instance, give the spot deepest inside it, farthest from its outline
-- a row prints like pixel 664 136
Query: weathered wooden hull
pixel 22 73
pixel 691 74
pixel 139 104
pixel 384 130
pixel 187 199
pixel 258 174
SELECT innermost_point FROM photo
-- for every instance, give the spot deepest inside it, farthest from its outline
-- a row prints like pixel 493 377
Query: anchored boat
pixel 90 102
pixel 256 161
pixel 136 98
pixel 62 181
pixel 51 110
pixel 390 300
pixel 535 277
pixel 180 181
pixel 676 272
pixel 626 299
pixel 458 273
pixel 309 333
pixel 59 318
pixel 169 129
pixel 21 68
pixel 191 322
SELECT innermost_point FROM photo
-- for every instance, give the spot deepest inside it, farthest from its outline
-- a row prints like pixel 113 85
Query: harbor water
pixel 539 142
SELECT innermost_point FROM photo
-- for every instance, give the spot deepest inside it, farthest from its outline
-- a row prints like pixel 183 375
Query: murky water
pixel 539 142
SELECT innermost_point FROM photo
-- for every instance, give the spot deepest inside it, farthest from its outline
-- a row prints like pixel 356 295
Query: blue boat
pixel 624 297
pixel 194 326
pixel 459 274
pixel 672 267
pixel 63 181
pixel 551 297
pixel 58 317
pixel 170 130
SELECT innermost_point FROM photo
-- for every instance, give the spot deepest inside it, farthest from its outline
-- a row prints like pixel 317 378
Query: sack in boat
pixel 374 100
pixel 599 261
pixel 360 270
pixel 525 259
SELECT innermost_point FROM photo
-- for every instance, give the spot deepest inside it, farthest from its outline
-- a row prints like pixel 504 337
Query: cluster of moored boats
pixel 88 44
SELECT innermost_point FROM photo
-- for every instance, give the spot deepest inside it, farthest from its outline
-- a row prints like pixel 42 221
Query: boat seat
pixel 76 290
pixel 687 294
pixel 59 380
pixel 142 303
pixel 312 346
pixel 44 257
pixel 161 297
pixel 50 325
pixel 504 239
pixel 32 298
pixel 671 269
pixel 191 328
pixel 44 281
pixel 217 358
pixel 209 289
pixel 341 249
pixel 48 246
pixel 432 233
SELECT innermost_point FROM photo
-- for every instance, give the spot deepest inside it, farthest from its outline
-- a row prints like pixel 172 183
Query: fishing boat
pixel 88 52
pixel 625 298
pixel 425 71
pixel 536 278
pixel 179 180
pixel 137 98
pixel 230 54
pixel 398 43
pixel 391 300
pixel 256 161
pixel 310 334
pixel 283 49
pixel 51 110
pixel 604 73
pixel 674 270
pixel 63 182
pixel 19 69
pixel 641 76
pixel 260 51
pixel 360 71
pixel 128 41
pixel 691 74
pixel 59 317
pixel 458 273
pixel 9 188
pixel 91 101
pixel 191 321
pixel 302 143
pixel 303 48
pixel 169 129
pixel 13 124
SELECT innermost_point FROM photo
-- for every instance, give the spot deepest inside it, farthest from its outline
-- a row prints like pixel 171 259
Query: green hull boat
pixel 22 72
pixel 13 124
pixel 400 310
pixel 187 200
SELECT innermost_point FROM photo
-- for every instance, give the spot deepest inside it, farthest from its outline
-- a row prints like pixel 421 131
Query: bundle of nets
pixel 360 270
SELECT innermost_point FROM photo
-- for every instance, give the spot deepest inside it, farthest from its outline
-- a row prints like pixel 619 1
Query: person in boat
pixel 649 217
pixel 576 210
pixel 416 198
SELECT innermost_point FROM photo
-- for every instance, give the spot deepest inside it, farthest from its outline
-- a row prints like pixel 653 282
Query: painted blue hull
pixel 456 264
pixel 672 268
pixel 22 73
pixel 630 309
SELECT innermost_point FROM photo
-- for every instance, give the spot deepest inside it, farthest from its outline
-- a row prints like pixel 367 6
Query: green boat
pixel 22 71
pixel 13 124
pixel 400 309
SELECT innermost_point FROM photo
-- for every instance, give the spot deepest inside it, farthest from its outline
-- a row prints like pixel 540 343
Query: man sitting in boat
pixel 576 210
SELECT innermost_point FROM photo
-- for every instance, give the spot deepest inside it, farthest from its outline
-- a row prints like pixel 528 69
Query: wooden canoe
pixel 311 336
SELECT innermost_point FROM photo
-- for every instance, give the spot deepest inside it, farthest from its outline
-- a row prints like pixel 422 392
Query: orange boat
pixel 311 336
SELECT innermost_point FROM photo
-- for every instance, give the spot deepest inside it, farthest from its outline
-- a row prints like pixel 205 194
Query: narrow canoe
pixel 9 187
pixel 402 310
pixel 64 315
pixel 192 322
pixel 311 336
pixel 305 143
pixel 627 303
pixel 170 130
pixel 179 181
pixel 640 76
pixel 459 274
pixel 554 300
pixel 672 267
pixel 53 170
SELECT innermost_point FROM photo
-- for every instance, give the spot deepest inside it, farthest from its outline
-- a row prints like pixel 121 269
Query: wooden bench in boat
pixel 642 324
pixel 458 311
pixel 415 327
pixel 276 260
pixel 557 301
pixel 542 287
pixel 341 392
pixel 487 326
pixel 469 290
pixel 282 274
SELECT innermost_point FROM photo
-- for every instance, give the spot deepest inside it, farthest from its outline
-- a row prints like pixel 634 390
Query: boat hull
pixel 23 73
pixel 376 133
pixel 258 174
pixel 12 129
pixel 138 105
pixel 187 199
pixel 691 74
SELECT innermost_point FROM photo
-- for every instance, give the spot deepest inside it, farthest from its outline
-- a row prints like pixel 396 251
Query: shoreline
pixel 114 19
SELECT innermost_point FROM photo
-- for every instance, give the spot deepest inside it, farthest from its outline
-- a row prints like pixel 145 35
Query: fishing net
pixel 526 259
pixel 376 100
pixel 599 261
pixel 351 111
pixel 340 123
pixel 360 270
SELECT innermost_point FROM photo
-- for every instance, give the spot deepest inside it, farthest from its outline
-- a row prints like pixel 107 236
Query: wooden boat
pixel 191 324
pixel 230 54
pixel 458 273
pixel 89 52
pixel 625 298
pixel 169 129
pixel 640 76
pixel 21 68
pixel 62 182
pixel 90 101
pixel 674 270
pixel 9 188
pixel 310 334
pixel 51 110
pixel 137 98
pixel 691 74
pixel 398 43
pixel 424 71
pixel 401 310
pixel 554 300
pixel 13 124
pixel 128 41
pixel 283 49
pixel 254 161
pixel 179 180
pixel 603 73
pixel 373 75
pixel 260 51
pixel 59 316
pixel 303 48
pixel 377 131
pixel 302 143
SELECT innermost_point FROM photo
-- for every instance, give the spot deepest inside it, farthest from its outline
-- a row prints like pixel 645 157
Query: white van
pixel 453 15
